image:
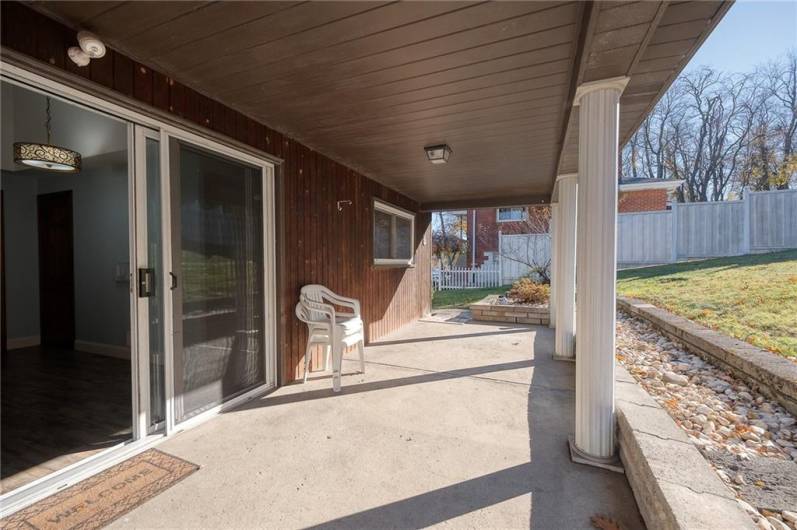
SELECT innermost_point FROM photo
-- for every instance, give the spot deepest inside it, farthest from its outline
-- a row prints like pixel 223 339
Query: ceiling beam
pixel 493 202
pixel 589 20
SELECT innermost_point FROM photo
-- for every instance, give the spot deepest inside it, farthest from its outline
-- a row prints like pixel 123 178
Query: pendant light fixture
pixel 47 156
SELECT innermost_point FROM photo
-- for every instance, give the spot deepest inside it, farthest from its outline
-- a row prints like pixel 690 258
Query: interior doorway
pixel 56 269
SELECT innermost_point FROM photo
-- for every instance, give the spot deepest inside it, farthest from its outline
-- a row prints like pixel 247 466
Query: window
pixel 394 235
pixel 511 214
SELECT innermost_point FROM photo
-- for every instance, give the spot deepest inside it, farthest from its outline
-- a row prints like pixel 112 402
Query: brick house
pixel 512 220
pixel 635 195
pixel 645 195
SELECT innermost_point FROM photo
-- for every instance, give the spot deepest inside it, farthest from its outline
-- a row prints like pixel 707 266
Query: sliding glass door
pixel 164 306
pixel 219 278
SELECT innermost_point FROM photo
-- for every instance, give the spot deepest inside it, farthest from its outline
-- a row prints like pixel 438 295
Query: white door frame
pixel 140 135
pixel 45 486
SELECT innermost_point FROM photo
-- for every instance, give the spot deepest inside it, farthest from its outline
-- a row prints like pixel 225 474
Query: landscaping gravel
pixel 750 440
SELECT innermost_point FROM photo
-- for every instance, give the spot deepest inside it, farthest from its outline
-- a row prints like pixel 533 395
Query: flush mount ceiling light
pixel 91 47
pixel 437 154
pixel 47 156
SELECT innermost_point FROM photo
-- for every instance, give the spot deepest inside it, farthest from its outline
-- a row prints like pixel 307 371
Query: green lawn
pixel 463 297
pixel 752 298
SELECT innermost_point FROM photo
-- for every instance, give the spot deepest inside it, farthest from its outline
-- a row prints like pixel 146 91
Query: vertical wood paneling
pixel 122 74
pixel 101 70
pixel 320 244
pixel 142 84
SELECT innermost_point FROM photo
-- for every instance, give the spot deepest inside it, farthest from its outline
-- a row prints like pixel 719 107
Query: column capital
pixel 616 83
pixel 566 176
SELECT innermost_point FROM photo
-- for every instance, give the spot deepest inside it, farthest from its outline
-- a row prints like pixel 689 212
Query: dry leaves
pixel 604 522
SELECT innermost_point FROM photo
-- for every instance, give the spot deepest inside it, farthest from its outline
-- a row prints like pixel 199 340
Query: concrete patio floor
pixel 461 425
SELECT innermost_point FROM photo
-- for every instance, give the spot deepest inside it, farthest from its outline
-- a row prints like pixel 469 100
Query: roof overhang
pixel 370 84
pixel 670 185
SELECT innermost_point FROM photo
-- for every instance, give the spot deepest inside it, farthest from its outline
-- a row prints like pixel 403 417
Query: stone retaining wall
pixel 674 486
pixel 771 374
pixel 490 310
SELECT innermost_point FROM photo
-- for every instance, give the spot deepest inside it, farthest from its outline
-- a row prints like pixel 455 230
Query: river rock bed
pixel 738 430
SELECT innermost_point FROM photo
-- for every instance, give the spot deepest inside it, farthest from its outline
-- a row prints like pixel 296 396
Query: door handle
pixel 146 283
pixel 173 277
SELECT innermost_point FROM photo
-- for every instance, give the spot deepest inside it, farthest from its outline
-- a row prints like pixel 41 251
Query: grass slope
pixel 752 298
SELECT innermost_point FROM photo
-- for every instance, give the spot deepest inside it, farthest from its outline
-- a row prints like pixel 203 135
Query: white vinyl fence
pixel 463 278
pixel 517 251
pixel 644 237
pixel 773 220
pixel 763 221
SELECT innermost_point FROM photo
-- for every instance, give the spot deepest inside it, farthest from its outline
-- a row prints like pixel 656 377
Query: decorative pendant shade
pixel 47 156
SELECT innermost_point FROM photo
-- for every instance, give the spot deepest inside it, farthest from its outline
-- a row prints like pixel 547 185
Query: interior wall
pixel 100 224
pixel 21 257
pixel 316 242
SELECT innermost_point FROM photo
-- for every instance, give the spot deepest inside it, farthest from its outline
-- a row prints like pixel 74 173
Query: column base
pixel 579 457
pixel 557 357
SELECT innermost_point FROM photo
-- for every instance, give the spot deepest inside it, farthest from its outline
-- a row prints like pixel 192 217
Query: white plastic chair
pixel 336 330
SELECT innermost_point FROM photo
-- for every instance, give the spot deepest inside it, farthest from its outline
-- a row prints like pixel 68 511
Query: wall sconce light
pixel 438 154
pixel 91 47
pixel 341 203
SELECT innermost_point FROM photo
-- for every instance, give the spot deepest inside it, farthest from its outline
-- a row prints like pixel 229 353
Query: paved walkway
pixel 460 425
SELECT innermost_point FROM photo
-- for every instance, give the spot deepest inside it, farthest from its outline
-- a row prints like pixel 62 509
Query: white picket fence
pixel 463 278
pixel 764 221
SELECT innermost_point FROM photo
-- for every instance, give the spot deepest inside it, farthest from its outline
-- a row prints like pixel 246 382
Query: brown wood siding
pixel 316 243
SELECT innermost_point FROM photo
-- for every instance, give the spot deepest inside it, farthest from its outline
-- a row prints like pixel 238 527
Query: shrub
pixel 527 291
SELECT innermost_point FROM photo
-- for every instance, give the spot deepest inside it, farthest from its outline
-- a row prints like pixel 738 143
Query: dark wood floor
pixel 59 406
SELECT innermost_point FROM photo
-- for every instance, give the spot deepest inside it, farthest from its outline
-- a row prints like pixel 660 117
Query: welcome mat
pixel 98 500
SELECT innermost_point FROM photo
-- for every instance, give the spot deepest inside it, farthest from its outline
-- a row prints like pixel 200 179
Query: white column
pixel 565 342
pixel 599 115
pixel 553 275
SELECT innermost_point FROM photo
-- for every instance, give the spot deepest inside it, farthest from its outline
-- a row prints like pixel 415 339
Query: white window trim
pixel 498 214
pixel 390 209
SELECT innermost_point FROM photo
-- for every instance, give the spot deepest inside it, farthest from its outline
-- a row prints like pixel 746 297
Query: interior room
pixel 66 361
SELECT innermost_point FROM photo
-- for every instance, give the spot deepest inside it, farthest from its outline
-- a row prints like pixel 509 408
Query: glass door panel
pixel 157 398
pixel 151 281
pixel 217 219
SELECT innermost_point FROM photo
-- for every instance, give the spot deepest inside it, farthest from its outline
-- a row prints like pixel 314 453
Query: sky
pixel 751 33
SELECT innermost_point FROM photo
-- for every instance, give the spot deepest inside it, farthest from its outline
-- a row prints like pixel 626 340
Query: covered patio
pixel 338 104
pixel 456 425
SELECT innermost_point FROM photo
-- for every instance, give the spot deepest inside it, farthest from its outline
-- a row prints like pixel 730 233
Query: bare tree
pixel 448 241
pixel 710 138
pixel 781 87
pixel 721 132
pixel 645 155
